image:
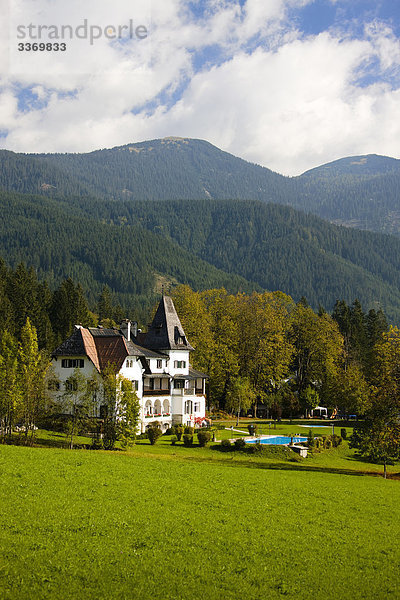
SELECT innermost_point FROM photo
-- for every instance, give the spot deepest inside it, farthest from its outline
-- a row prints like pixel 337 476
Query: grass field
pixel 163 522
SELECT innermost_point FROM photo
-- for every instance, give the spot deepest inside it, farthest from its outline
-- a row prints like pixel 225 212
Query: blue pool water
pixel 278 440
pixel 318 426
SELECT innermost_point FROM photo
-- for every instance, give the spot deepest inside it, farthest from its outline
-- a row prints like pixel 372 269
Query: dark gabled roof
pixel 192 375
pixel 109 346
pixel 105 347
pixel 197 374
pixel 157 375
pixel 103 332
pixel 80 343
pixel 73 346
pixel 166 331
pixel 136 350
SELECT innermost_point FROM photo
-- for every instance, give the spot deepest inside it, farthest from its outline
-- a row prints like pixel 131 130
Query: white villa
pixel 169 390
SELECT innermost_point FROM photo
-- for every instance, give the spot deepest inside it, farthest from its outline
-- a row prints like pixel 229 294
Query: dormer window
pixel 180 339
pixel 159 363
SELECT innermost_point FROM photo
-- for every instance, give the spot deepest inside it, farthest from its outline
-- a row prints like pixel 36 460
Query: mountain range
pixel 181 210
pixel 360 191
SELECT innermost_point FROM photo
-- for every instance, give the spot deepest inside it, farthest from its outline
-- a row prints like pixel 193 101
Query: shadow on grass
pixel 51 443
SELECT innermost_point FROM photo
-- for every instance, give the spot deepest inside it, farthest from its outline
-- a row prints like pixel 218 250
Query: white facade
pixel 169 391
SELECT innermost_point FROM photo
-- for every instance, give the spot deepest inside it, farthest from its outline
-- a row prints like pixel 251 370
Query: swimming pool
pixel 317 426
pixel 277 440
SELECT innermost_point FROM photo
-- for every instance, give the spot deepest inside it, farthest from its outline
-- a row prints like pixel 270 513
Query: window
pixel 180 364
pixel 135 385
pixel 196 406
pixel 72 363
pixel 179 384
pixel 159 363
pixel 103 411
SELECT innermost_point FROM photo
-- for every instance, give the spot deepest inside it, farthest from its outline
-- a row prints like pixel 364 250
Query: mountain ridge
pixel 359 191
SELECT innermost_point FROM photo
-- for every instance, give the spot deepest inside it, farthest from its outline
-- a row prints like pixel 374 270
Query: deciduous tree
pixel 33 366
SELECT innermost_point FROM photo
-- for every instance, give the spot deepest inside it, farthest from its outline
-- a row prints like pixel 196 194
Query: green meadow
pixel 167 522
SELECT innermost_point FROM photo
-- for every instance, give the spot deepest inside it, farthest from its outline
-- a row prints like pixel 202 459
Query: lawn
pixel 168 522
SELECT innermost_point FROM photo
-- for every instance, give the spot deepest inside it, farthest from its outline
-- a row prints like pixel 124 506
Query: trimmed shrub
pixel 343 434
pixel 170 431
pixel 174 439
pixel 240 444
pixel 226 445
pixel 189 430
pixel 154 433
pixel 203 437
pixel 188 440
pixel 179 430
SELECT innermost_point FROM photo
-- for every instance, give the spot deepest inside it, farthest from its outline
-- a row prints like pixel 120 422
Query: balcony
pixel 187 392
pixel 149 392
pixel 158 416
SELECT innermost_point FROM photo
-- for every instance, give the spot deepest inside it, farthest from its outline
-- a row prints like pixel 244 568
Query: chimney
pixel 134 329
pixel 126 329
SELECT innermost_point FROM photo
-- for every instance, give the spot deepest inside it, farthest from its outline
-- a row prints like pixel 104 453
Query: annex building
pixel 157 362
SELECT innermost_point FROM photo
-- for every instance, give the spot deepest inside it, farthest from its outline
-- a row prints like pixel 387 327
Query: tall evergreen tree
pixel 69 308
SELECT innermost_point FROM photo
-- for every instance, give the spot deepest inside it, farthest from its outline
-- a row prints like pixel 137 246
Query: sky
pixel 288 84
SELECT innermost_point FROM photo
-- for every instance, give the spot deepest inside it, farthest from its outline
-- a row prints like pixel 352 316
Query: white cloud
pixel 289 104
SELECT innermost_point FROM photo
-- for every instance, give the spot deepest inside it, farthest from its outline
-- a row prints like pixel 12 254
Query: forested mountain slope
pixel 171 168
pixel 132 246
pixel 277 247
pixel 361 191
pixel 47 235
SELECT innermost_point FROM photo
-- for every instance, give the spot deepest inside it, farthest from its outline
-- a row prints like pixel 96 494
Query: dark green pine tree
pixel 69 308
pixel 22 292
pixel 45 333
pixel 341 314
pixel 105 306
pixel 6 312
pixel 359 340
pixel 376 325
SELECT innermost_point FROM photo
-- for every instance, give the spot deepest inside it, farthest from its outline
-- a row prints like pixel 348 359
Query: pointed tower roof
pixel 166 331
